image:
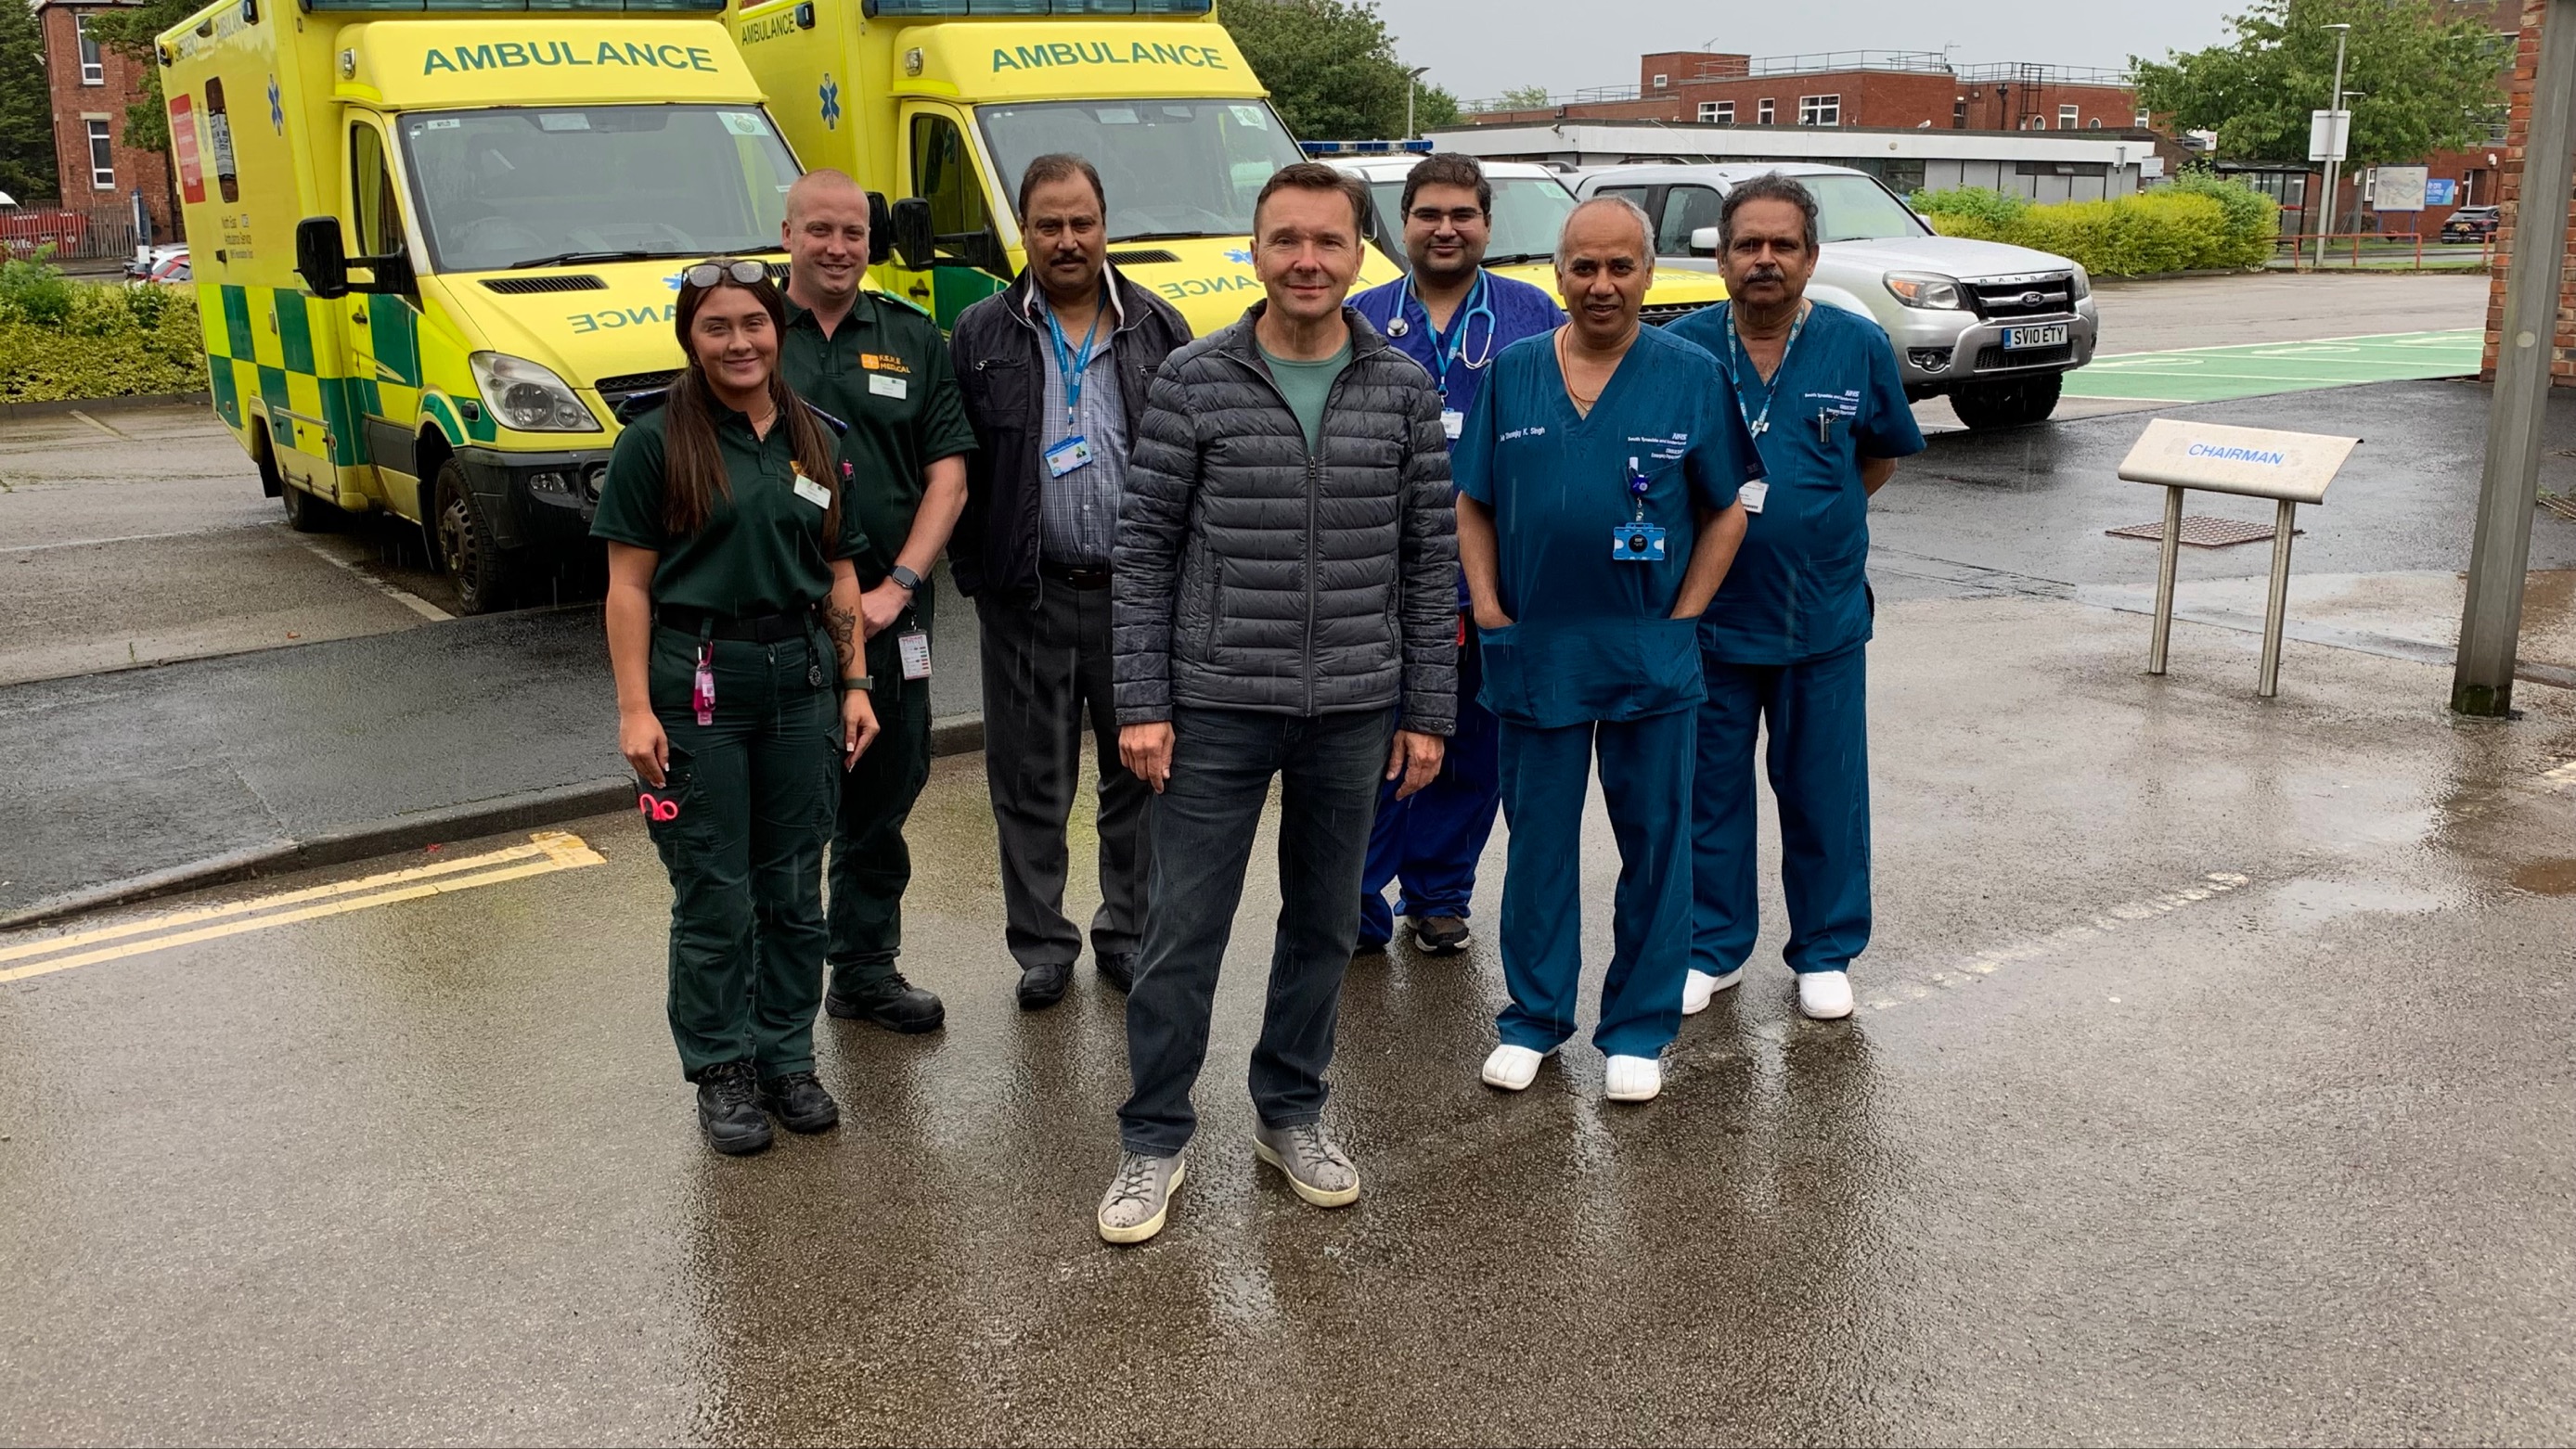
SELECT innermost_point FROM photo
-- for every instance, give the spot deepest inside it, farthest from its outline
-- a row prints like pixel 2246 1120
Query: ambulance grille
pixel 528 286
pixel 1153 257
pixel 1659 315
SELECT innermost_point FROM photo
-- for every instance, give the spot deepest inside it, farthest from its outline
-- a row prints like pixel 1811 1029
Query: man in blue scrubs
pixel 1785 641
pixel 1597 513
pixel 1455 318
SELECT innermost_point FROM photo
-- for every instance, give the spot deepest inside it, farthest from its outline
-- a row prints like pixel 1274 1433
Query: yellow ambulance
pixel 435 248
pixel 942 103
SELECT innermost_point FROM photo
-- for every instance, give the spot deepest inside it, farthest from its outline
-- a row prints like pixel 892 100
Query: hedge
pixel 66 340
pixel 2195 223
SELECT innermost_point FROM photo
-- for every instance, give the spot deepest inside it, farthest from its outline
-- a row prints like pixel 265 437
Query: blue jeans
pixel 1430 843
pixel 1203 825
pixel 1819 765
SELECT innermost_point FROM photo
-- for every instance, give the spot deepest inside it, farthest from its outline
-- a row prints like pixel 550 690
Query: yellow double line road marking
pixel 546 852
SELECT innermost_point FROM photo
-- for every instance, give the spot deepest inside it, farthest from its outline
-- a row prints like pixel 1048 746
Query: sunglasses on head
pixel 709 274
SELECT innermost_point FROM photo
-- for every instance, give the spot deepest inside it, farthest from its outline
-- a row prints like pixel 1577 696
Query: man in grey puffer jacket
pixel 1284 605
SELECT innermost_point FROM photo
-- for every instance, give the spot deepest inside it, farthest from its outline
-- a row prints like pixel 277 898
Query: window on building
pixel 1721 113
pixel 2094 125
pixel 1959 114
pixel 2141 122
pixel 2068 118
pixel 93 65
pixel 1662 81
pixel 1820 110
pixel 1762 112
pixel 102 157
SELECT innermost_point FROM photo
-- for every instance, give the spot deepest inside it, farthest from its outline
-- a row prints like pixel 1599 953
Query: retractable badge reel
pixel 1637 541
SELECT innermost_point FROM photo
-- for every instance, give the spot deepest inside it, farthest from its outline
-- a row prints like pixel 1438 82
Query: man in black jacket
pixel 1286 607
pixel 1055 372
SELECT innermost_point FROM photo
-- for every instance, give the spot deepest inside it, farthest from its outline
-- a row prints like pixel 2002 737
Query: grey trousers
pixel 1046 675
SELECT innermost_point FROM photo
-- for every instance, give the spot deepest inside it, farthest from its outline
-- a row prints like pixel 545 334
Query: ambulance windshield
pixel 562 185
pixel 1178 168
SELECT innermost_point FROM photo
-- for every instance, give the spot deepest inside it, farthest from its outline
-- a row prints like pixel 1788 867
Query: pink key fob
pixel 703 694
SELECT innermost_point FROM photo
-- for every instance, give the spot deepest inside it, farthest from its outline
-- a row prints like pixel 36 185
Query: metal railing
pixel 1913 62
pixel 2380 250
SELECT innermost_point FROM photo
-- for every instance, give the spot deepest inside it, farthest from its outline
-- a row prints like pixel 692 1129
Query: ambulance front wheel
pixel 2008 404
pixel 461 530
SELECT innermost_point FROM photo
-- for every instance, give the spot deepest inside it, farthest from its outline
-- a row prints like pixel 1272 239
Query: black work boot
pixel 729 1109
pixel 1043 986
pixel 893 1003
pixel 800 1102
pixel 1118 968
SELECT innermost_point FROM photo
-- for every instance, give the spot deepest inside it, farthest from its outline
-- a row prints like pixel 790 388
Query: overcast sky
pixel 1478 47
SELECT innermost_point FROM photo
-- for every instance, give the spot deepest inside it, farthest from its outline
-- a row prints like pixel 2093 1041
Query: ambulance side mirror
pixel 913 242
pixel 880 229
pixel 319 257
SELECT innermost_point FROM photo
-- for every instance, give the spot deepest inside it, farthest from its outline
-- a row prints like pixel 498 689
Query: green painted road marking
pixel 2216 374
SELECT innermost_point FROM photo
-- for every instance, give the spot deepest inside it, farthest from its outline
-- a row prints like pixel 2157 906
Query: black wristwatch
pixel 904 579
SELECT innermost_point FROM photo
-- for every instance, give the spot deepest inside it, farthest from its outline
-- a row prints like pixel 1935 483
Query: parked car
pixel 1994 328
pixel 2472 223
pixel 148 260
pixel 172 270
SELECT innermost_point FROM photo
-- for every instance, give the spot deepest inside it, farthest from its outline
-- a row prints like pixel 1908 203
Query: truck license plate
pixel 2052 335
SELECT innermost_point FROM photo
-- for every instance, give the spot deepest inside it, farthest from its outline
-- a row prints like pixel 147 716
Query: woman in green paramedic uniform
pixel 732 606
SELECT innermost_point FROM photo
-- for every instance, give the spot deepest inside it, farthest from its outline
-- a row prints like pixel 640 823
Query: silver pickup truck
pixel 1994 328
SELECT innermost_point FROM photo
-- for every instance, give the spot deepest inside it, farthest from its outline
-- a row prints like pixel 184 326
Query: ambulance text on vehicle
pixel 437 244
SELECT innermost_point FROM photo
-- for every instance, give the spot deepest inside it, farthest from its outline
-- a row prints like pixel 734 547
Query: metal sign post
pixel 2491 620
pixel 2289 468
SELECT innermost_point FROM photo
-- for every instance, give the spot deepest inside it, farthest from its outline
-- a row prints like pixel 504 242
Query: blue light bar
pixel 1368 148
pixel 933 9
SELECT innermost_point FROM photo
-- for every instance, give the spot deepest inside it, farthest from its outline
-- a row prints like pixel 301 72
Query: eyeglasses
pixel 1460 216
pixel 743 274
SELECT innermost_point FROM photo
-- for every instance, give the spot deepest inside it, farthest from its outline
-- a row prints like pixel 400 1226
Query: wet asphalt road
pixel 2211 1083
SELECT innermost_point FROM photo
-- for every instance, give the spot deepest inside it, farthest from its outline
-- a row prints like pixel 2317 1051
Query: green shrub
pixel 2198 223
pixel 31 291
pixel 109 341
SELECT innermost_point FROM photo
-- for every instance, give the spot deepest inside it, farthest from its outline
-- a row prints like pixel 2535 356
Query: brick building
pixel 92 84
pixel 1900 90
pixel 2562 353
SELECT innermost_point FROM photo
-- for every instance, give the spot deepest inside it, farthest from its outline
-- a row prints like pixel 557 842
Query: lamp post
pixel 1412 82
pixel 2335 143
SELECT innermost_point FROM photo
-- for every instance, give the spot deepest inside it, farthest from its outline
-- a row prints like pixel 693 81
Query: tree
pixel 1331 68
pixel 128 30
pixel 2433 84
pixel 26 106
pixel 1525 98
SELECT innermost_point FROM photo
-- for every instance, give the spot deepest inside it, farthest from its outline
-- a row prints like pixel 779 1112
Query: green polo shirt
pixel 884 371
pixel 761 551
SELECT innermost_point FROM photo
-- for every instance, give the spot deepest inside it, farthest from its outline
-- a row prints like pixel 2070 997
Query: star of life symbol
pixel 1240 256
pixel 276 110
pixel 831 94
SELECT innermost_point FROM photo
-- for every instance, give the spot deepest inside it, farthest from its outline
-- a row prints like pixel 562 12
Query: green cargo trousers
pixel 755 792
pixel 871 866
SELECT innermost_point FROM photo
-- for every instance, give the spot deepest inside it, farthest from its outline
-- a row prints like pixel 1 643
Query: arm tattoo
pixel 843 625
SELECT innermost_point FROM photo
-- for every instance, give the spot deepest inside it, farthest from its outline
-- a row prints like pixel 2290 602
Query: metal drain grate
pixel 2201 531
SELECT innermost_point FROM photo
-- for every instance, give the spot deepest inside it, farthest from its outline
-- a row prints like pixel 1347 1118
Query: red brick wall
pixel 1894 99
pixel 74 105
pixel 2562 355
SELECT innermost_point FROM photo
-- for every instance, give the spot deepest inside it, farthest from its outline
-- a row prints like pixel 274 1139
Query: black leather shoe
pixel 729 1109
pixel 894 1003
pixel 800 1102
pixel 1118 969
pixel 1043 986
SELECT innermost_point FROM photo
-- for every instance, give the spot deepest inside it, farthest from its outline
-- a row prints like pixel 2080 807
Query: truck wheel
pixel 2008 404
pixel 461 535
pixel 306 512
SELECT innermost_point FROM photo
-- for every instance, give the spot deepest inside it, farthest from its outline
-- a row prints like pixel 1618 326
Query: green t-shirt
pixel 1306 385
pixel 761 551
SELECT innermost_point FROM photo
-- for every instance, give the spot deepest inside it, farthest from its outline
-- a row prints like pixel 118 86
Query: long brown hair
pixel 693 472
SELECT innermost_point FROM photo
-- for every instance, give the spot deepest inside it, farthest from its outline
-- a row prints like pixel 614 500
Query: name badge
pixel 1071 455
pixel 1452 422
pixel 914 646
pixel 1752 494
pixel 884 386
pixel 1637 543
pixel 811 491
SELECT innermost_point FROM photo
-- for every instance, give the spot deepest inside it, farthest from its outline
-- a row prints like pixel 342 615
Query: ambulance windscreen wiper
pixel 574 259
pixel 1514 259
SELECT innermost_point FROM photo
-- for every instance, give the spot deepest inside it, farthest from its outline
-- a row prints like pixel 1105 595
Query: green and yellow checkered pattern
pixel 278 345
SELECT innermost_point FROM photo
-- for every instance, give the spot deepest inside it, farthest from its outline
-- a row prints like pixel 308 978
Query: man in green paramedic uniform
pixel 880 366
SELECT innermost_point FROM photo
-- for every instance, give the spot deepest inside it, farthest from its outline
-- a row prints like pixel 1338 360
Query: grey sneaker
pixel 1140 1197
pixel 1315 1167
pixel 1440 935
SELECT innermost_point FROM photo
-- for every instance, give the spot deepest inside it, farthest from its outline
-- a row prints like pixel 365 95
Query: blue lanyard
pixel 1453 346
pixel 1072 365
pixel 1757 426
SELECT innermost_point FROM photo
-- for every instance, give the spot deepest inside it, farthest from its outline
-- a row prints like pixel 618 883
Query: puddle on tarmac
pixel 2547 878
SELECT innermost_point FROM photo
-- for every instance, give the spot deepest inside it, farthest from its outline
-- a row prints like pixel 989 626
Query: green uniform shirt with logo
pixel 762 549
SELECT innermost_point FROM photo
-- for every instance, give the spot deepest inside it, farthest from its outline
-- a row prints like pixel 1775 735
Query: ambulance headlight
pixel 1923 289
pixel 529 397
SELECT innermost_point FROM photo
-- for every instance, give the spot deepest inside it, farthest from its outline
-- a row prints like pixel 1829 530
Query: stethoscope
pixel 1452 348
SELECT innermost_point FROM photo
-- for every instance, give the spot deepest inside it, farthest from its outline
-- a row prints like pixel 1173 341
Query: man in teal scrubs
pixel 1786 638
pixel 1597 514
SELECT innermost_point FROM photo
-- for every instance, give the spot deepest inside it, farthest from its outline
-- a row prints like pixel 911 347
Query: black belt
pixel 743 628
pixel 1074 575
